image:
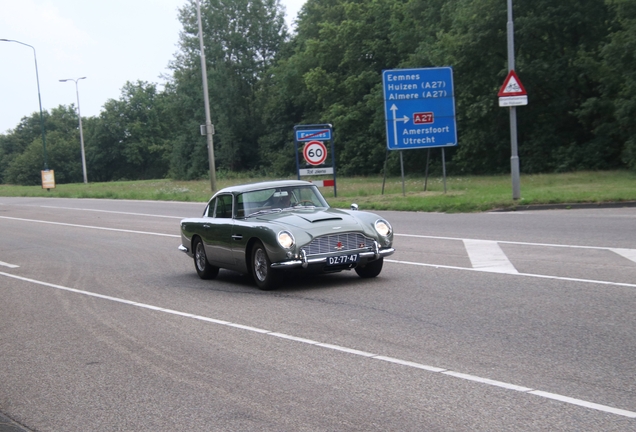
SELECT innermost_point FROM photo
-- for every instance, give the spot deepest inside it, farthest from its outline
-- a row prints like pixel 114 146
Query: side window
pixel 240 207
pixel 223 206
pixel 209 210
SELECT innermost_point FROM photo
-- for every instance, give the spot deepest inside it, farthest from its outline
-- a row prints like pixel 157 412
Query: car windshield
pixel 278 199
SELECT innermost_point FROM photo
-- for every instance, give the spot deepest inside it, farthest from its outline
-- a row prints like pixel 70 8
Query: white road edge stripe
pixel 516 274
pixel 91 227
pixel 630 252
pixel 487 381
pixel 4 264
pixel 108 211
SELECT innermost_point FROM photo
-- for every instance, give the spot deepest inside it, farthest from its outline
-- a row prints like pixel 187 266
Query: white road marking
pixel 91 227
pixel 393 261
pixel 630 254
pixel 519 243
pixel 582 403
pixel 4 264
pixel 352 351
pixel 105 211
pixel 487 256
pixel 516 274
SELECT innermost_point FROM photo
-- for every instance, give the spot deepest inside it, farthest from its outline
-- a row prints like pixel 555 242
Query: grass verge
pixel 463 194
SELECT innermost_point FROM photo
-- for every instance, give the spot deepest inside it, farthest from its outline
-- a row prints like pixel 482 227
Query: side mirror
pixel 354 207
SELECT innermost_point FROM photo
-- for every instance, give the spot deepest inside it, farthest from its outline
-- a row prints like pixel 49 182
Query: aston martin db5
pixel 266 229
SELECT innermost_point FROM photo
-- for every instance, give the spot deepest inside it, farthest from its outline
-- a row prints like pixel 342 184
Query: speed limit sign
pixel 315 152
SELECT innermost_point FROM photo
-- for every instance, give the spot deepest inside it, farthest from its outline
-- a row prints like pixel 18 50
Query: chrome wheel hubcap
pixel 260 265
pixel 200 257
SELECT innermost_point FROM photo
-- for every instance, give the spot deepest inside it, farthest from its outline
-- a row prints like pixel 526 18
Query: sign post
pixel 419 107
pixel 315 153
pixel 509 92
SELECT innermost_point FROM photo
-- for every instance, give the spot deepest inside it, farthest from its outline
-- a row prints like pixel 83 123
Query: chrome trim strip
pixel 287 264
pixel 305 262
pixel 387 252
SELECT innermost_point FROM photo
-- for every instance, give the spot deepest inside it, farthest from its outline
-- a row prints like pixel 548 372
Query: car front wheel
pixel 265 278
pixel 204 269
pixel 370 269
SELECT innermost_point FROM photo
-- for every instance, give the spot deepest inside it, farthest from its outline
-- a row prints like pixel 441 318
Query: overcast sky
pixel 108 42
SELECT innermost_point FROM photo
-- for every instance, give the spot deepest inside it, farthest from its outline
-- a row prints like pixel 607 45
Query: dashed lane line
pixel 346 350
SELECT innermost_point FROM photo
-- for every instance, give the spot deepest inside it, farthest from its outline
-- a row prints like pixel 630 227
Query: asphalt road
pixel 479 322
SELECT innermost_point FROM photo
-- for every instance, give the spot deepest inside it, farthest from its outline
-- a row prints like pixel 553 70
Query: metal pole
pixel 402 168
pixel 79 114
pixel 514 158
pixel 444 168
pixel 209 128
pixel 428 156
pixel 384 180
pixel 37 78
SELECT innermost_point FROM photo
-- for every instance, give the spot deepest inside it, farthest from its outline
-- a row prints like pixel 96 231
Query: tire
pixel 370 269
pixel 204 269
pixel 260 265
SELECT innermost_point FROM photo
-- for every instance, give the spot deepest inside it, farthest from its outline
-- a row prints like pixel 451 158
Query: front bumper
pixel 305 261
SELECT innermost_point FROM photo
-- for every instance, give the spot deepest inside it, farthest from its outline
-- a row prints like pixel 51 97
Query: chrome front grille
pixel 337 243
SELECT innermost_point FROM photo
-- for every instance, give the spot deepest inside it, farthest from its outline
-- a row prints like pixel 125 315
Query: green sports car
pixel 265 229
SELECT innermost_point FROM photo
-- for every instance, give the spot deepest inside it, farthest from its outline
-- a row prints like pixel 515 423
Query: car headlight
pixel 383 227
pixel 285 239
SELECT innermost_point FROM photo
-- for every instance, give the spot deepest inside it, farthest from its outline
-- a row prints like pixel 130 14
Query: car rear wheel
pixel 370 269
pixel 265 278
pixel 204 269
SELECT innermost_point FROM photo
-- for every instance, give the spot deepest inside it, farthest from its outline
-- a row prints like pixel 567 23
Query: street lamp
pixel 209 128
pixel 46 165
pixel 79 114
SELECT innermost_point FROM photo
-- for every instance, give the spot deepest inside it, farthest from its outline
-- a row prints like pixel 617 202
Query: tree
pixel 618 77
pixel 241 39
pixel 332 74
pixel 23 150
pixel 132 139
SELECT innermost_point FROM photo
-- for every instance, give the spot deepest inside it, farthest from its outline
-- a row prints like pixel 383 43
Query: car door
pixel 241 230
pixel 217 232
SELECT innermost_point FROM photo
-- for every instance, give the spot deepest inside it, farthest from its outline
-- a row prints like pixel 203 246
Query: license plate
pixel 342 259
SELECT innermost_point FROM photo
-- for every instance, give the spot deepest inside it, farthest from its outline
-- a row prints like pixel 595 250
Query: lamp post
pixel 46 165
pixel 209 128
pixel 79 114
pixel 514 158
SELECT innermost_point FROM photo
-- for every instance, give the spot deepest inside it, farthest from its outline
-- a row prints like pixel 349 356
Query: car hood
pixel 315 220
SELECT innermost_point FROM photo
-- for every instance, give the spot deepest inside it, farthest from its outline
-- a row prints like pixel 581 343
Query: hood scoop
pixel 313 218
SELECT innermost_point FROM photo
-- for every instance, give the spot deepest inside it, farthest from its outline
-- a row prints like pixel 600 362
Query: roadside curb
pixel 566 206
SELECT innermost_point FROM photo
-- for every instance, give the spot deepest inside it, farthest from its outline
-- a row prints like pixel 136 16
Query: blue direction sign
pixel 419 107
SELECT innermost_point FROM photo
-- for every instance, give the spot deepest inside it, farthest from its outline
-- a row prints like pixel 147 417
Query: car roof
pixel 262 185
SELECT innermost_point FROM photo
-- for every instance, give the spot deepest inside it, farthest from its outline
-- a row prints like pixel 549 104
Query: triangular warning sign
pixel 512 86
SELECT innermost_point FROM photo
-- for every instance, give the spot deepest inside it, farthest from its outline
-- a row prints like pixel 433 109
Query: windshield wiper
pixel 262 212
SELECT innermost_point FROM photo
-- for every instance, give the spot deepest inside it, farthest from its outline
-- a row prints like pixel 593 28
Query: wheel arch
pixel 248 252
